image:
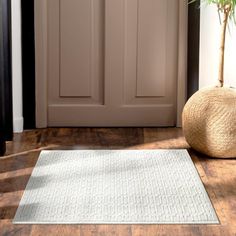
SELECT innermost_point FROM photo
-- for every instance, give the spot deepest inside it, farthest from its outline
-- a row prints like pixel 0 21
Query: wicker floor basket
pixel 209 122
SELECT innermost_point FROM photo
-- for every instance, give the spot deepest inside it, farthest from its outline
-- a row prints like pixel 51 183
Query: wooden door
pixel 112 62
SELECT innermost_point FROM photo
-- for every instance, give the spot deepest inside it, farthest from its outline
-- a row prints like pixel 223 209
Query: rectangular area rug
pixel 115 187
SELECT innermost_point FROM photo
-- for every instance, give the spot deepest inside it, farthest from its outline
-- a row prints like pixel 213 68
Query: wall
pixel 17 66
pixel 209 49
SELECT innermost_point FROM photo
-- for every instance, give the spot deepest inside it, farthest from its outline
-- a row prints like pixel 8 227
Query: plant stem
pixel 226 11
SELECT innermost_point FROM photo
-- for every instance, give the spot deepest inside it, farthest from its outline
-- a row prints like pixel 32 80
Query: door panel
pixel 150 78
pixel 75 62
pixel 75 47
pixel 81 48
pixel 112 63
pixel 151 48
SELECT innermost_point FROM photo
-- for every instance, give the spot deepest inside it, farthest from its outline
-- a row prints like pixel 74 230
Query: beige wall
pixel 209 47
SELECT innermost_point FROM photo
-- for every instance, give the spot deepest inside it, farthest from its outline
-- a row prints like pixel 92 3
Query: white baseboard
pixel 18 124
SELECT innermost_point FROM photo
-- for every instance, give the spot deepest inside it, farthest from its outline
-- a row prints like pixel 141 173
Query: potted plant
pixel 209 116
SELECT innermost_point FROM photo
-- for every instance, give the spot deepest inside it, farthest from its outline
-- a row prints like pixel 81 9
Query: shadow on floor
pixel 19 162
pixel 19 183
pixel 7 212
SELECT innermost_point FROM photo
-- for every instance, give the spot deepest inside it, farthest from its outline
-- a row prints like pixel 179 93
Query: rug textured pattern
pixel 115 187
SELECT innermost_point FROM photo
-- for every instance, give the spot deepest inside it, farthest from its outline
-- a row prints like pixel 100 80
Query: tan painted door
pixel 112 62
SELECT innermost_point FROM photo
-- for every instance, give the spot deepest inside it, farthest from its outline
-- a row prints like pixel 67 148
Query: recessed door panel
pixel 151 52
pixel 151 47
pixel 75 47
pixel 81 48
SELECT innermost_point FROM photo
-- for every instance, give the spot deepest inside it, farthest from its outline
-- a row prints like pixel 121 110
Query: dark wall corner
pixel 193 47
pixel 28 63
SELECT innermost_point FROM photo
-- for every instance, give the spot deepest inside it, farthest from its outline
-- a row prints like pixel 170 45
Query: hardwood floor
pixel 218 176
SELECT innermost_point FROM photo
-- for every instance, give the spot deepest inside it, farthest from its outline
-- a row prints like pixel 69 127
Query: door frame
pixel 41 61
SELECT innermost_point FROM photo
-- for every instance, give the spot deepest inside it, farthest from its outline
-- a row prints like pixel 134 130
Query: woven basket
pixel 209 122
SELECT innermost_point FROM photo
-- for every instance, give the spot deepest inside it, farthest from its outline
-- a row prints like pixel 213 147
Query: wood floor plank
pixel 55 230
pixel 218 176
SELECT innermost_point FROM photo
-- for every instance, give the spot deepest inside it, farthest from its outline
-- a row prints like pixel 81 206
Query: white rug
pixel 115 187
